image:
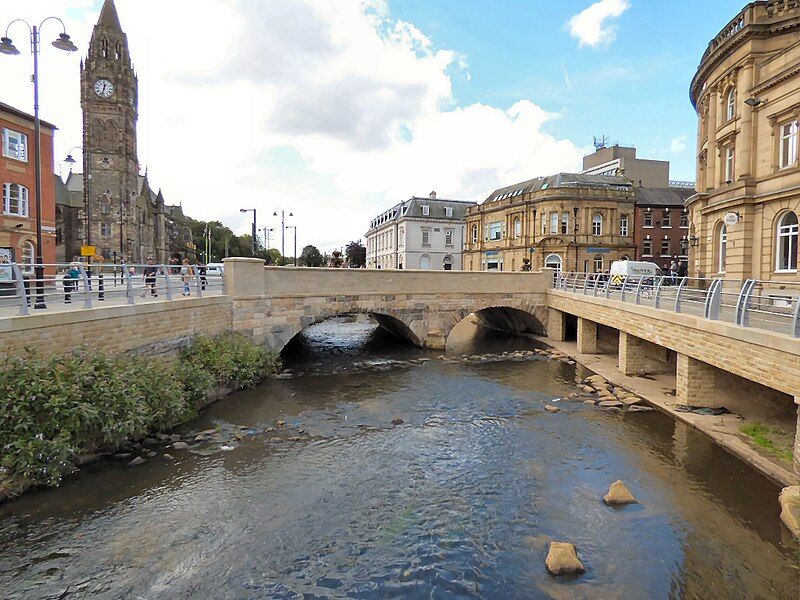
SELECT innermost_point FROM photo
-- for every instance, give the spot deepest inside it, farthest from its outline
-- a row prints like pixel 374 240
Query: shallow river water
pixel 459 500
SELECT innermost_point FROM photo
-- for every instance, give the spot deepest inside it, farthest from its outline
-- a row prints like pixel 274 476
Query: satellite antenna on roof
pixel 601 143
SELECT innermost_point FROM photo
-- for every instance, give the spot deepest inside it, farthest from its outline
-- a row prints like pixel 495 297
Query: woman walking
pixel 186 275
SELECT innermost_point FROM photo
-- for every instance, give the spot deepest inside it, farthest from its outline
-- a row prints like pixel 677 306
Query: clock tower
pixel 109 105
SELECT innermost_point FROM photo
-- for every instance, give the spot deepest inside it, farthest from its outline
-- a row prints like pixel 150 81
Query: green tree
pixel 336 259
pixel 356 254
pixel 310 257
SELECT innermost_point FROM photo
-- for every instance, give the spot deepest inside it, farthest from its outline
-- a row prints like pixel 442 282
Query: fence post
pixel 622 291
pixel 128 284
pixel 608 287
pixel 796 320
pixel 168 285
pixel 639 291
pixel 198 281
pixel 678 294
pixel 713 297
pixel 656 292
pixel 585 283
pixel 575 283
pixel 20 285
pixel 87 287
pixel 743 303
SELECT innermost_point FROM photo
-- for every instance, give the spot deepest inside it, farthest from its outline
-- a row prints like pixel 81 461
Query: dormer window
pixel 448 211
pixel 731 104
pixel 426 210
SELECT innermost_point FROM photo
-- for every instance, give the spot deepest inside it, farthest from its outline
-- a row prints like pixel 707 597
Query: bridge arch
pixel 522 319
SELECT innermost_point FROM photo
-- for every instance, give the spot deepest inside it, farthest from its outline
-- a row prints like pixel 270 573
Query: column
pixel 695 383
pixel 712 159
pixel 587 336
pixel 556 329
pixel 632 354
pixel 744 142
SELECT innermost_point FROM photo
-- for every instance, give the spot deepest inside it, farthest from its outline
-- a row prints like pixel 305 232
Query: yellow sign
pixel 87 250
pixel 617 279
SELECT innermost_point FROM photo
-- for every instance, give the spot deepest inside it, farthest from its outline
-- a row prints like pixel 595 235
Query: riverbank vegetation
pixel 764 436
pixel 54 410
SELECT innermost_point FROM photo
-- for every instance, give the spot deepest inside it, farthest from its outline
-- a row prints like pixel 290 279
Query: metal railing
pixel 81 285
pixel 770 305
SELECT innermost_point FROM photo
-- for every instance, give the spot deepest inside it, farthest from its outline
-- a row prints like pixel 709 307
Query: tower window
pixel 104 48
pixel 118 51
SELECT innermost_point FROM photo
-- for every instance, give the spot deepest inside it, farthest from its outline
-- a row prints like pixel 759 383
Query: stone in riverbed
pixel 122 455
pixel 589 402
pixel 552 409
pixel 280 423
pixel 619 495
pixel 598 379
pixel 180 445
pixel 397 421
pixel 136 461
pixel 790 509
pixel 562 559
pixel 606 401
pixel 168 456
pixel 587 389
pixel 638 408
pixel 175 437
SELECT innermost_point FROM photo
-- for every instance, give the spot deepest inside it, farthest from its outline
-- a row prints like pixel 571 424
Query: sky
pixel 337 109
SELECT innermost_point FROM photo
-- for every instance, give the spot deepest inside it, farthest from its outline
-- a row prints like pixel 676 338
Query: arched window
pixel 624 257
pixel 15 199
pixel 474 234
pixel 28 256
pixel 787 243
pixel 597 224
pixel 517 227
pixel 731 104
pixel 722 247
pixel 513 264
pixel 425 262
pixel 118 51
pixel 553 261
pixel 623 225
pixel 598 263
pixel 447 263
pixel 104 48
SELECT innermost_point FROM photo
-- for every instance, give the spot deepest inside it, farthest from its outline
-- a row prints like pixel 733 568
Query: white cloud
pixel 331 109
pixel 678 144
pixel 589 26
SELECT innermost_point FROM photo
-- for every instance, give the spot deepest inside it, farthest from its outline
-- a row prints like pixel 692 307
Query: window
pixel 729 159
pixel 648 218
pixel 118 51
pixel 553 261
pixel 28 256
pixel 474 234
pixel 598 263
pixel 105 207
pixel 731 104
pixel 495 230
pixel 684 247
pixel 447 263
pixel 104 48
pixel 664 247
pixel 401 237
pixel 448 237
pixel 564 223
pixel 426 236
pixel 788 141
pixel 647 247
pixel 426 210
pixel 553 223
pixel 722 240
pixel 15 144
pixel 787 243
pixel 517 227
pixel 623 225
pixel 685 219
pixel 105 229
pixel 494 265
pixel 544 223
pixel 15 199
pixel 666 218
pixel 597 225
pixel 448 211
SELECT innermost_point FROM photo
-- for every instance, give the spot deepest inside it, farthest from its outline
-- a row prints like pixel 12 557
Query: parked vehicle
pixel 215 269
pixel 634 268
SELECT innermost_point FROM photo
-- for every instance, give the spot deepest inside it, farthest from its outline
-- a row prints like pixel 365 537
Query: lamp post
pixel 253 245
pixel 267 231
pixel 283 229
pixel 294 262
pixel 7 47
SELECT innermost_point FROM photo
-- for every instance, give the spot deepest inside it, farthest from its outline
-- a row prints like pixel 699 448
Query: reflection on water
pixel 459 500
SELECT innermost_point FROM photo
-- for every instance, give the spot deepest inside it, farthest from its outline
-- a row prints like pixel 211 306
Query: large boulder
pixel 790 508
pixel 562 559
pixel 619 495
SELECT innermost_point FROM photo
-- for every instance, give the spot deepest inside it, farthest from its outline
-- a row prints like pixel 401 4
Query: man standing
pixel 150 272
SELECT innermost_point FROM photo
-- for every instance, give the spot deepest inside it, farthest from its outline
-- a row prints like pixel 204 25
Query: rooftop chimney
pixel 432 195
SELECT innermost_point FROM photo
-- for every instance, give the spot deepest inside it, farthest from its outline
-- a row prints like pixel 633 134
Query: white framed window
pixel 564 223
pixel 730 157
pixel 553 223
pixel 517 227
pixel 426 236
pixel 665 247
pixel 401 237
pixel 598 263
pixel 788 142
pixel 787 243
pixel 684 247
pixel 28 256
pixel 685 219
pixel 426 210
pixel 544 223
pixel 648 218
pixel 448 237
pixel 448 211
pixel 597 224
pixel 666 218
pixel 722 248
pixel 647 247
pixel 15 200
pixel 553 261
pixel 474 234
pixel 105 229
pixel 730 103
pixel 495 230
pixel 15 144
pixel 623 225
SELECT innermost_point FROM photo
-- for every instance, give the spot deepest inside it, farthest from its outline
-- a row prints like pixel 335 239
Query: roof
pixel 561 180
pixel 413 208
pixel 63 197
pixel 23 115
pixel 671 196
pixel 108 15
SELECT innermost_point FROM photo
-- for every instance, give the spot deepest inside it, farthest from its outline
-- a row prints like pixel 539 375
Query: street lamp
pixel 267 231
pixel 245 210
pixel 294 262
pixel 7 47
pixel 283 228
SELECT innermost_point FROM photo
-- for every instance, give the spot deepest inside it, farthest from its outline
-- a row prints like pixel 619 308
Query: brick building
pixel 17 178
pixel 661 224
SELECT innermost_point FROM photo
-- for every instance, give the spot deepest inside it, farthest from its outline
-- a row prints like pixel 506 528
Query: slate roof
pixel 561 180
pixel 672 196
pixel 63 197
pixel 413 208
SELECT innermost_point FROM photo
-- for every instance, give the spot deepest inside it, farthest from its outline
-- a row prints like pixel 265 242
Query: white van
pixel 634 268
pixel 215 269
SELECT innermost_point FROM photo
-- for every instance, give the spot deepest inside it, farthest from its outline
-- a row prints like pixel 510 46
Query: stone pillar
pixel 587 336
pixel 744 146
pixel 797 438
pixel 632 354
pixel 695 382
pixel 556 328
pixel 244 277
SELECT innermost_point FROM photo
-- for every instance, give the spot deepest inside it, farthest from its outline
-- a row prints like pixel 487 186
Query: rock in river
pixel 397 421
pixel 180 445
pixel 619 495
pixel 552 409
pixel 136 461
pixel 790 508
pixel 608 403
pixel 562 559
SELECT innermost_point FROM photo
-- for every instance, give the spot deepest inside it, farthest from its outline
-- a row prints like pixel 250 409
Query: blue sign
pixel 492 253
pixel 593 250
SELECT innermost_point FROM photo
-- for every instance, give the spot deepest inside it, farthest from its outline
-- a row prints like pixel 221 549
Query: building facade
pixel 661 224
pixel 17 178
pixel 420 233
pixel 747 96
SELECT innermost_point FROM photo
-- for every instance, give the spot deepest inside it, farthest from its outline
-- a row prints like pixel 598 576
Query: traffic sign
pixel 88 250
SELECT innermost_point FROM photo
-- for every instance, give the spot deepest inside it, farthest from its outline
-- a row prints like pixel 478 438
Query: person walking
pixel 673 272
pixel 150 271
pixel 71 276
pixel 186 275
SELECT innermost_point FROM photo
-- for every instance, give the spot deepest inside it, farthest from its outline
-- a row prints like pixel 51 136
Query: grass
pixel 761 435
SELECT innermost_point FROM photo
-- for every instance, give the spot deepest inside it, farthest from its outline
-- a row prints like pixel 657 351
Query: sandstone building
pixel 747 95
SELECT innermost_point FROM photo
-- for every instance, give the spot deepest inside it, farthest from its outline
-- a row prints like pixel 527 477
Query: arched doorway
pixel 447 263
pixel 425 262
pixel 553 261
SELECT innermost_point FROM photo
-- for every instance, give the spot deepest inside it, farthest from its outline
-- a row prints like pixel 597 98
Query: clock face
pixel 103 88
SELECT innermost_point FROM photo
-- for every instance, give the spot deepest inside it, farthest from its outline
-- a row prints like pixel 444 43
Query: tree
pixel 310 257
pixel 336 259
pixel 356 254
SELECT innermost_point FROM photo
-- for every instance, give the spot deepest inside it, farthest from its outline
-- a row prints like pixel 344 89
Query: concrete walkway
pixel 659 391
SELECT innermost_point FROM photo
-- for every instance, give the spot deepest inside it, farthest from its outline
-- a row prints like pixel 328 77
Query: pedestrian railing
pixel 762 304
pixel 57 287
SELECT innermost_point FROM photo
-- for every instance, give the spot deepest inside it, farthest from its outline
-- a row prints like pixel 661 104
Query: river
pixel 459 500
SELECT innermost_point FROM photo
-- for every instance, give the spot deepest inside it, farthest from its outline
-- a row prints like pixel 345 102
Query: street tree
pixel 311 257
pixel 356 254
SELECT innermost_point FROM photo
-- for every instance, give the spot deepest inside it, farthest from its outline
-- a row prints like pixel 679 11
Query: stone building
pixel 747 96
pixel 121 215
pixel 419 233
pixel 17 183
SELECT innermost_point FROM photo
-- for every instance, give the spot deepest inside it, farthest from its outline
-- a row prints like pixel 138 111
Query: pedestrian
pixel 186 275
pixel 71 276
pixel 150 271
pixel 202 271
pixel 683 269
pixel 673 271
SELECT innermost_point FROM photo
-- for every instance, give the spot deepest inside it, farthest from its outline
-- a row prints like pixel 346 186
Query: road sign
pixel 617 279
pixel 87 250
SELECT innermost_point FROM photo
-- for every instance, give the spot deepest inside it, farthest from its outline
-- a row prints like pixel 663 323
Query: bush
pixel 52 409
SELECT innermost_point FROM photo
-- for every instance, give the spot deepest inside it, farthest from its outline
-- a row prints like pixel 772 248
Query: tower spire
pixel 108 15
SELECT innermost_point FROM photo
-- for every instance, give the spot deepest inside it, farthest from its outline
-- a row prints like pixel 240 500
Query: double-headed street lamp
pixel 245 210
pixel 87 201
pixel 294 261
pixel 7 47
pixel 283 228
pixel 267 236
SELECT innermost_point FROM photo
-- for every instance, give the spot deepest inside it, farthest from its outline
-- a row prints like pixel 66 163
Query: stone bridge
pixel 274 304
